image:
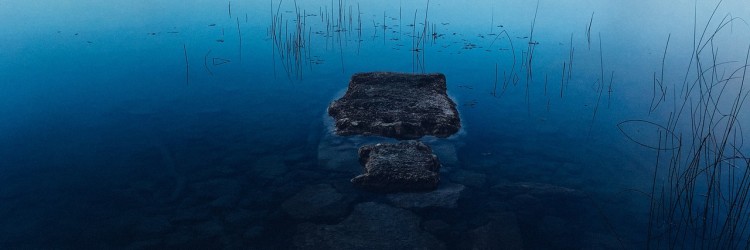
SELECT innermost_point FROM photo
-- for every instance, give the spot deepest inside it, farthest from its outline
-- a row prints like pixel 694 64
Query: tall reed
pixel 701 177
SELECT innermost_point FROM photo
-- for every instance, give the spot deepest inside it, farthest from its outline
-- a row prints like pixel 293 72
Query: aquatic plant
pixel 701 176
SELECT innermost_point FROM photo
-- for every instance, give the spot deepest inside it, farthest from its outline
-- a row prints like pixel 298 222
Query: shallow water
pixel 187 125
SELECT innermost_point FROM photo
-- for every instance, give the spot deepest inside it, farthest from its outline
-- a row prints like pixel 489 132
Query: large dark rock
pixel 403 166
pixel 396 105
pixel 370 226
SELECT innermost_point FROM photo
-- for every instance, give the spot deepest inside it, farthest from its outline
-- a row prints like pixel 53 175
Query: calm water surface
pixel 202 124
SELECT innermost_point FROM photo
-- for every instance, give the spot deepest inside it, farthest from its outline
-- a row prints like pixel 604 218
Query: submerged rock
pixel 211 228
pixel 243 217
pixel 370 226
pixel 500 233
pixel 252 232
pixel 436 226
pixel 393 167
pixel 218 188
pixel 338 154
pixel 536 190
pixel 396 105
pixel 555 214
pixel 315 201
pixel 445 196
pixel 269 167
pixel 468 178
pixel 154 225
pixel 445 149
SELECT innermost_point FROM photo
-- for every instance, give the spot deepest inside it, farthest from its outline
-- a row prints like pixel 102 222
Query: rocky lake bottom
pixel 301 197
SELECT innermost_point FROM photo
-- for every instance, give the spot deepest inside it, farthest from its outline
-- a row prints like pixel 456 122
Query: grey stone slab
pixel 398 167
pixel 396 105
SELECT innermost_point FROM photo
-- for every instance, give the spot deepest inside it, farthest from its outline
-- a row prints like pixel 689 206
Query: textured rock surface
pixel 370 226
pixel 396 105
pixel 403 166
pixel 444 196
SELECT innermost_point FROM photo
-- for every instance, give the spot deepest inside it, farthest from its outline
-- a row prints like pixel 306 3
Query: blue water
pixel 108 139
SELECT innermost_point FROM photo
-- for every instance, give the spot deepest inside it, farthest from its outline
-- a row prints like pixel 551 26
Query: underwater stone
pixel 315 201
pixel 370 226
pixel 154 225
pixel 445 149
pixel 436 226
pixel 468 178
pixel 398 167
pixel 211 228
pixel 530 200
pixel 224 202
pixel 216 188
pixel 336 154
pixel 502 232
pixel 252 232
pixel 445 196
pixel 243 217
pixel 397 105
pixel 536 190
pixel 270 167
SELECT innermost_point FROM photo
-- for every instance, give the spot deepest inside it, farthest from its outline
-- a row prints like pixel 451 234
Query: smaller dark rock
pixel 404 166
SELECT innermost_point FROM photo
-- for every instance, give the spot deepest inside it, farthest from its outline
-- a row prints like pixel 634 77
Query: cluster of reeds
pixel 293 45
pixel 701 177
pixel 513 73
pixel 339 24
pixel 420 38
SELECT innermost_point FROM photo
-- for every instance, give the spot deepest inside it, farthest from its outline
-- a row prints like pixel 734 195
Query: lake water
pixel 203 124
